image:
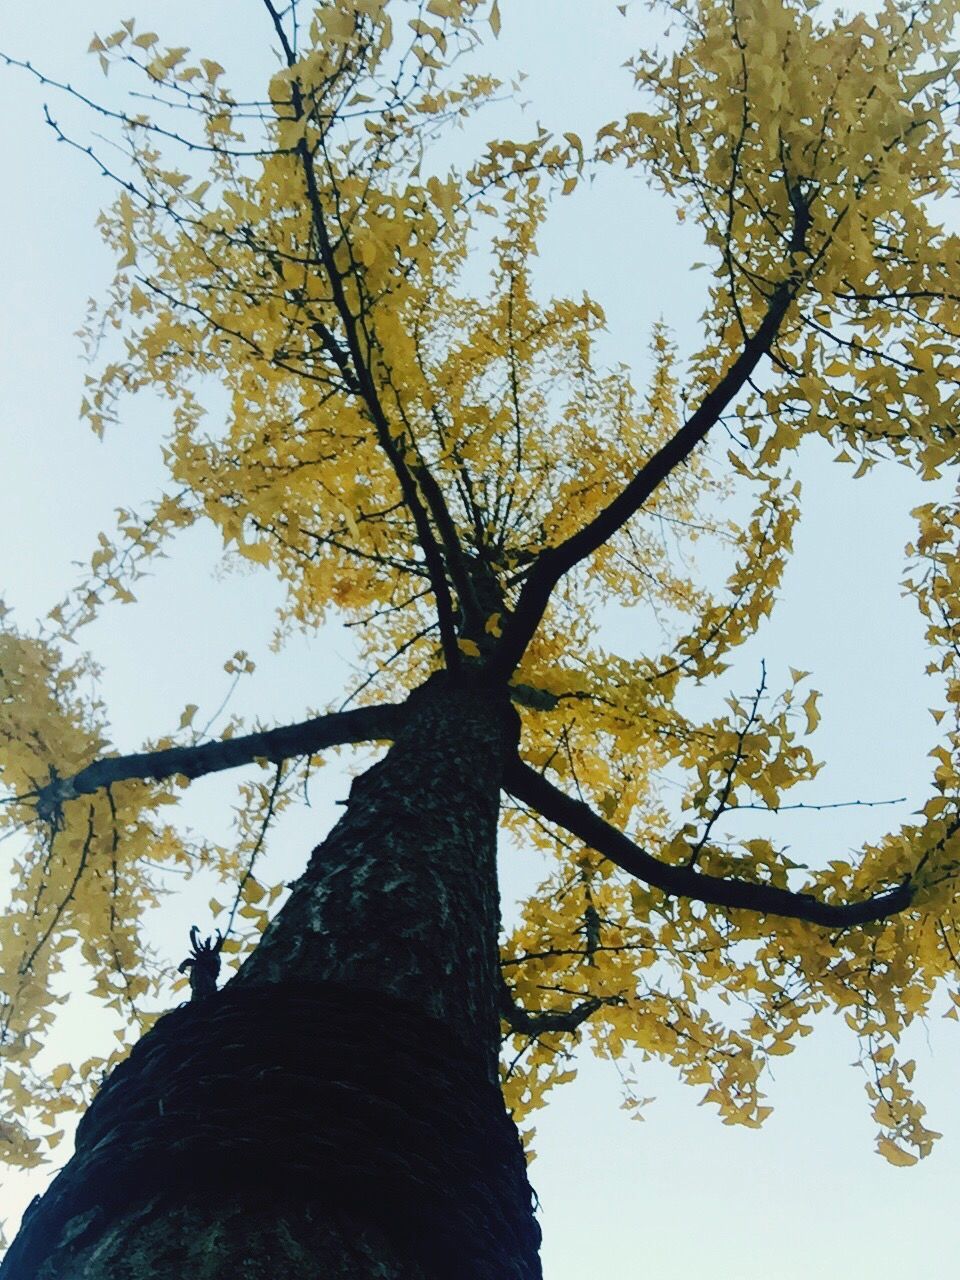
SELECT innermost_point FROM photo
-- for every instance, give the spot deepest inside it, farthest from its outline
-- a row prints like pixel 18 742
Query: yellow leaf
pixel 259 552
pixel 60 1075
pixel 189 711
pixel 173 56
pixel 894 1154
pixel 810 708
pixel 338 24
pixel 493 625
pixel 253 891
pixel 916 84
pixel 495 18
pixel 468 647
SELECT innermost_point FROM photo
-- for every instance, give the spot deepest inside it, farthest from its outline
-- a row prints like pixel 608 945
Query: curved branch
pixel 552 564
pixel 363 724
pixel 550 802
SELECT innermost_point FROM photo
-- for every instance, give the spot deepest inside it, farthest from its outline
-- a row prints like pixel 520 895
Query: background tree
pixel 469 450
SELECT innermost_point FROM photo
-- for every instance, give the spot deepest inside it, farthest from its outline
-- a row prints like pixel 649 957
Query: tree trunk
pixel 334 1111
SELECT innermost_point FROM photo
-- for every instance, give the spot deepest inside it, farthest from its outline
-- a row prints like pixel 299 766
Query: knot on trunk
pixel 322 1093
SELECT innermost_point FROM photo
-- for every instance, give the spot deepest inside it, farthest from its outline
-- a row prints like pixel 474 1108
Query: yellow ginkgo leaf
pixel 186 716
pixel 60 1075
pixel 811 711
pixel 894 1154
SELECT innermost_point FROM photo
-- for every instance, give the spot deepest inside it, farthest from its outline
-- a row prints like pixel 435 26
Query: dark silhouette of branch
pixel 364 724
pixel 27 962
pixel 553 563
pixel 721 806
pixel 407 477
pixel 817 808
pixel 524 1022
pixel 550 802
pixel 122 117
pixel 255 852
pixel 286 46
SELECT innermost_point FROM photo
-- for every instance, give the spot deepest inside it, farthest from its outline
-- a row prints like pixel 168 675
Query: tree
pixel 453 469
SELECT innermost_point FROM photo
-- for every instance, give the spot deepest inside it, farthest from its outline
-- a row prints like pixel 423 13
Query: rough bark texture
pixel 402 896
pixel 334 1111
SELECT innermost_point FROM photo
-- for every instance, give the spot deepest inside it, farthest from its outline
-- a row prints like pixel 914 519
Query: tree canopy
pixel 438 456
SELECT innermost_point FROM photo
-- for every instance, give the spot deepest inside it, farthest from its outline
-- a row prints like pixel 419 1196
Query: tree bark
pixel 334 1111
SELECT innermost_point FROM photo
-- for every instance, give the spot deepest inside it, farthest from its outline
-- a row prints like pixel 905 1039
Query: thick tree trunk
pixel 333 1111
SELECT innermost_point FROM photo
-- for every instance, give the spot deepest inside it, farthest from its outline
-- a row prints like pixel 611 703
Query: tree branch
pixel 285 44
pixel 553 563
pixel 524 1022
pixel 366 387
pixel 550 802
pixel 363 724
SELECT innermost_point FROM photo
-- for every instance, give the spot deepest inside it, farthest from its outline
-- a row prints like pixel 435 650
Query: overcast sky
pixel 680 1195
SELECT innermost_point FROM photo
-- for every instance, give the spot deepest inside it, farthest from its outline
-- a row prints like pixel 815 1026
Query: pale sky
pixel 676 1197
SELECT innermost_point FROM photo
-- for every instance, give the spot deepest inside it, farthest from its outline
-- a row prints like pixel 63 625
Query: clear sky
pixel 680 1195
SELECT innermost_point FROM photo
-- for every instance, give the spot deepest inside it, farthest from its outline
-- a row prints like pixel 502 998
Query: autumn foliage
pixel 452 470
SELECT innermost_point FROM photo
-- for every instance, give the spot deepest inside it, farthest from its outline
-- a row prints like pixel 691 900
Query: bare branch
pixel 27 962
pixel 815 808
pixel 683 881
pixel 524 1022
pixel 722 805
pixel 285 44
pixel 363 724
pixel 257 848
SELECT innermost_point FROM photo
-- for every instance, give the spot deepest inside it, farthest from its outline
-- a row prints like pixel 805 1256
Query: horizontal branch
pixel 550 802
pixel 815 808
pixel 529 1023
pixel 364 724
pixel 552 564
